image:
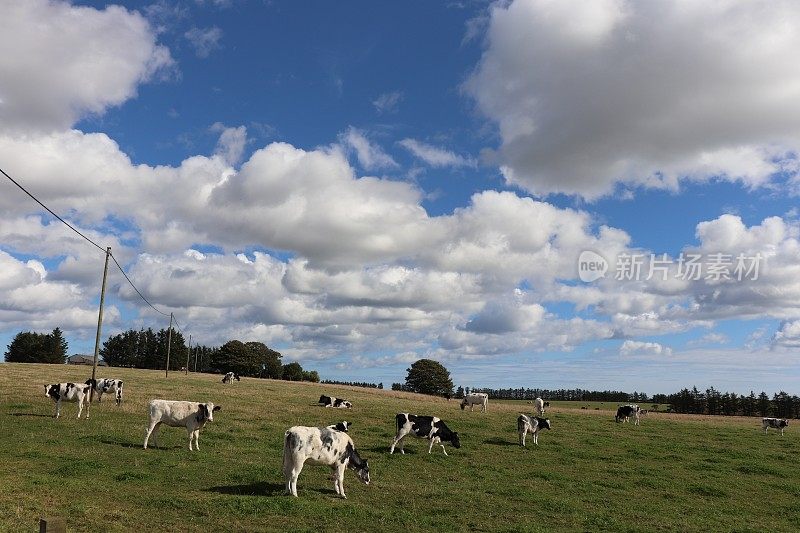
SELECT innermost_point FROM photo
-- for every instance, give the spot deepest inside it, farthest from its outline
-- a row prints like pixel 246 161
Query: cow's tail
pixel 399 420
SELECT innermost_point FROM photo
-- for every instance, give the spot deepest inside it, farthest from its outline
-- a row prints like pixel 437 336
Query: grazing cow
pixel 344 425
pixel 321 446
pixel 533 425
pixel 337 403
pixel 624 412
pixel 230 376
pixel 191 415
pixel 539 406
pixel 106 385
pixel 424 427
pixel 475 398
pixel 68 392
pixel 777 423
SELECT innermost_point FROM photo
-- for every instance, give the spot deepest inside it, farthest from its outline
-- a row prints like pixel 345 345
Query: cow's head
pixel 463 403
pixel 206 412
pixel 544 423
pixel 455 440
pixel 51 391
pixel 324 399
pixel 236 377
pixel 359 466
pixel 347 405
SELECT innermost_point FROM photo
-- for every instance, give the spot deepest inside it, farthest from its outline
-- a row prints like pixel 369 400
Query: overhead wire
pixel 104 250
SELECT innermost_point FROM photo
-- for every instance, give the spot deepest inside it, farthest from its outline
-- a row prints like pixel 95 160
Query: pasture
pixel 672 473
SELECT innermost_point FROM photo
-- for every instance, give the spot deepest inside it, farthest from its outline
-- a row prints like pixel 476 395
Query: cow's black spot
pixel 421 425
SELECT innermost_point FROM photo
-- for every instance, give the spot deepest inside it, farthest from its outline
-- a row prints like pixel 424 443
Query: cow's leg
pixel 197 439
pixel 294 473
pixel 536 437
pixel 58 408
pixel 430 446
pixel 339 473
pixel 398 440
pixel 119 397
pixel 522 435
pixel 100 396
pixel 152 430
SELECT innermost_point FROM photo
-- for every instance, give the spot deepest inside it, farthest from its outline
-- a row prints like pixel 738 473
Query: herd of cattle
pixel 330 445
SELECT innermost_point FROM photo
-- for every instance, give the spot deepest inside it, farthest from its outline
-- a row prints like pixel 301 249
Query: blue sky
pixel 362 184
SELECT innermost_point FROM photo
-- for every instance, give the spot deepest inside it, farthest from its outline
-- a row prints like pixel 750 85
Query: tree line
pixel 145 348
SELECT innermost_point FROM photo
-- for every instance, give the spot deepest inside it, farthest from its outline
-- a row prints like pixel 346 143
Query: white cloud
pixel 586 95
pixel 638 348
pixel 231 143
pixel 71 61
pixel 788 336
pixel 388 102
pixel 370 156
pixel 204 40
pixel 436 157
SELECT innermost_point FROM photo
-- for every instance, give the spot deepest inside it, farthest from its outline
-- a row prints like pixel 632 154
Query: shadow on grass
pixel 31 414
pixel 260 488
pixel 501 442
pixel 385 450
pixel 150 446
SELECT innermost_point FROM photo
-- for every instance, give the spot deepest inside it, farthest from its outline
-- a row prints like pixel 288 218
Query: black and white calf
pixel 777 423
pixel 624 412
pixel 191 415
pixel 68 392
pixel 321 446
pixel 338 403
pixel 533 425
pixel 105 385
pixel 475 398
pixel 344 425
pixel 424 427
pixel 230 376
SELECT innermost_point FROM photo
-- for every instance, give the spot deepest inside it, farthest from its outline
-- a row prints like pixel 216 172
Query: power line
pixel 70 226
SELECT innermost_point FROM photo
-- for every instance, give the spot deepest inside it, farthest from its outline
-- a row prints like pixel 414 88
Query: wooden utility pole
pixel 188 353
pixel 99 326
pixel 169 344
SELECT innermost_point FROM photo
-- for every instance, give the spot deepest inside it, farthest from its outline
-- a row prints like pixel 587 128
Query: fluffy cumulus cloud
pixel 69 61
pixel 638 348
pixel 588 95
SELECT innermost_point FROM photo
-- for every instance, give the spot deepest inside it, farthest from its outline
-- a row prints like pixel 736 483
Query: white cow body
pixel 191 415
pixel 68 392
pixel 321 446
pixel 539 406
pixel 475 398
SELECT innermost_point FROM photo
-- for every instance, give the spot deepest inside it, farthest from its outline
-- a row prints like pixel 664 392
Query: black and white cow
pixel 777 423
pixel 337 403
pixel 106 385
pixel 424 427
pixel 230 376
pixel 624 412
pixel 475 398
pixel 68 392
pixel 344 425
pixel 191 415
pixel 533 425
pixel 539 406
pixel 321 446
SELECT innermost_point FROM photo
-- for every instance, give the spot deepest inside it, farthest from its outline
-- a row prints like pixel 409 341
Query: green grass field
pixel 672 473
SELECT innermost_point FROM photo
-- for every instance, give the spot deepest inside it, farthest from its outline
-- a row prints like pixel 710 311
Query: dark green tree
pixel 427 376
pixel 266 360
pixel 311 375
pixel 293 372
pixel 763 404
pixel 29 347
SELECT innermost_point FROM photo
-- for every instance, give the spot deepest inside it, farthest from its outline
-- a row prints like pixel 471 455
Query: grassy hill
pixel 672 473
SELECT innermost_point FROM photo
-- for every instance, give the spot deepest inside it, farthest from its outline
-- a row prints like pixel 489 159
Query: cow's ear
pixel 217 407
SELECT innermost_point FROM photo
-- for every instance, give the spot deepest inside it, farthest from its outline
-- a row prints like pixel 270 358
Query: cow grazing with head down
pixel 624 412
pixel 337 403
pixel 321 446
pixel 191 415
pixel 68 392
pixel 533 425
pixel 230 376
pixel 475 398
pixel 777 423
pixel 423 427
pixel 106 385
